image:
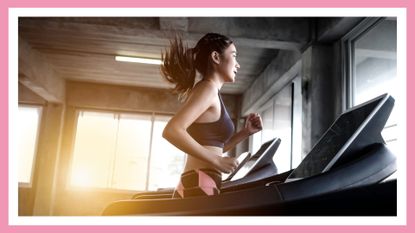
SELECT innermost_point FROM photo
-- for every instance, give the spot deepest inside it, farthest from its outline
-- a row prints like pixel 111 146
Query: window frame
pixel 117 113
pixel 348 69
pixel 36 144
pixel 347 55
pixel 296 127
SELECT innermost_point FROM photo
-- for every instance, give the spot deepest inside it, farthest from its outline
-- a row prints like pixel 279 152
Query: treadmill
pixel 342 175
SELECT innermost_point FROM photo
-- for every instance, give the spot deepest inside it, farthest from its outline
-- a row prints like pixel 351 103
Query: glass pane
pixel 167 161
pixel 255 142
pixel 375 62
pixel 375 70
pixel 296 144
pixel 282 126
pixel 268 131
pixel 28 126
pixel 94 149
pixel 132 152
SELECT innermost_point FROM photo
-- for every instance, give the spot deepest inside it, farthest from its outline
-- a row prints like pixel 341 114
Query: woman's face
pixel 228 66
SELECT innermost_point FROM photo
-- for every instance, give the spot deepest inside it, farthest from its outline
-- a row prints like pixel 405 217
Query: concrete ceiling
pixel 53 50
pixel 83 48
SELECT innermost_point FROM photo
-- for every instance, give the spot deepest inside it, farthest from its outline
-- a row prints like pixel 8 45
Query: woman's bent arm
pixel 253 124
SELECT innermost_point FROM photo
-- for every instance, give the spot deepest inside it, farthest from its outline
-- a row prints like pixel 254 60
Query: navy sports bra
pixel 213 133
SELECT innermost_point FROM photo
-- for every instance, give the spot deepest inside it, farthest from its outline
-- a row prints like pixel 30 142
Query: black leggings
pixel 198 182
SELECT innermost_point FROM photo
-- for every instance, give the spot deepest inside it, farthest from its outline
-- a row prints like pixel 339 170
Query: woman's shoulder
pixel 203 91
pixel 201 97
pixel 204 88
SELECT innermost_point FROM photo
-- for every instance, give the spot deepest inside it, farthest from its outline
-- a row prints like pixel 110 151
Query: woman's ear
pixel 215 57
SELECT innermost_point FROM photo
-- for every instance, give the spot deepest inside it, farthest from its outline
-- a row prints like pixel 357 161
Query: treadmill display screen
pixel 327 149
pixel 242 159
pixel 266 152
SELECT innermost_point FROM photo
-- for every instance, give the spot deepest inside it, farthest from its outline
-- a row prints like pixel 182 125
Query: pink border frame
pixel 6 4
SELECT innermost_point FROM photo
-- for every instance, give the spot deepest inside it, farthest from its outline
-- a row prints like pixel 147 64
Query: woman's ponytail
pixel 178 67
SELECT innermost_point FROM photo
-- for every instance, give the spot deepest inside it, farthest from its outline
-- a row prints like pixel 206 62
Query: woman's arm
pixel 201 98
pixel 253 124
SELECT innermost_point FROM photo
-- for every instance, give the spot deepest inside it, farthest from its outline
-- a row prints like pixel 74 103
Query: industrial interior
pixel 90 124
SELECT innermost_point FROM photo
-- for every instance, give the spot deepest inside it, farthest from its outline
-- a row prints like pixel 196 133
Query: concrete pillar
pixel 319 85
pixel 47 159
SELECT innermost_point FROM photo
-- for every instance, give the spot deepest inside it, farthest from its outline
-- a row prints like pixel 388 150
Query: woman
pixel 202 127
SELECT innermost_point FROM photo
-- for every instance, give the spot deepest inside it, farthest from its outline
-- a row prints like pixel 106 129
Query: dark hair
pixel 180 63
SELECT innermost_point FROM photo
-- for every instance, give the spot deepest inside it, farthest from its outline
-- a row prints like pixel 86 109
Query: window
pixel 166 160
pixel 282 118
pixel 124 151
pixel 372 67
pixel 28 130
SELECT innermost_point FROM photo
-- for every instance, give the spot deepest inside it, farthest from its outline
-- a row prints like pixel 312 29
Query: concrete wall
pixel 275 76
pixel 26 96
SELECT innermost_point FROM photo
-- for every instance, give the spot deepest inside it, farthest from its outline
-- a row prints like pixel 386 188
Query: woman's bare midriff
pixel 193 163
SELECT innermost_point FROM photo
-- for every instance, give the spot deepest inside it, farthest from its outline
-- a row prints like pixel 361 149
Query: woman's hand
pixel 253 123
pixel 225 164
